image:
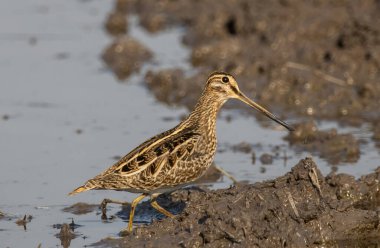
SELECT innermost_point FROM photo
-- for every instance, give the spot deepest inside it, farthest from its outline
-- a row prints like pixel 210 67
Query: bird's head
pixel 225 87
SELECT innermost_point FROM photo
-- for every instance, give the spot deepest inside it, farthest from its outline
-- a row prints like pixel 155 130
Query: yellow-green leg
pixel 160 209
pixel 133 207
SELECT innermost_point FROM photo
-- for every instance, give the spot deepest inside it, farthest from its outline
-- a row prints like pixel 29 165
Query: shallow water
pixel 68 118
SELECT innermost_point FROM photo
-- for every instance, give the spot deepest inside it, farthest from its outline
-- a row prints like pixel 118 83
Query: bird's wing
pixel 165 148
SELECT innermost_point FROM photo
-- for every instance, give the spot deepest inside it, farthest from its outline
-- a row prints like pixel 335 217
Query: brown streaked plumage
pixel 176 157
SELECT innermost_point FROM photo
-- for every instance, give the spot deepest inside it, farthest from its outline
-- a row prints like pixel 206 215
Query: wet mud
pixel 319 59
pixel 125 56
pixel 300 209
pixel 328 144
pixel 81 208
pixel 116 23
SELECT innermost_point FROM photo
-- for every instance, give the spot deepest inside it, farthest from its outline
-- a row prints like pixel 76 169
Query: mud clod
pixel 153 23
pixel 301 208
pixel 328 144
pixel 266 158
pixel 125 56
pixel 81 208
pixel 116 23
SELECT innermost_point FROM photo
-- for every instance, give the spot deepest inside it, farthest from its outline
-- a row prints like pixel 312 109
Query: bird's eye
pixel 225 80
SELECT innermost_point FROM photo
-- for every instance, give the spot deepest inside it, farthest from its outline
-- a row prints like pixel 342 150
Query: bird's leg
pixel 103 206
pixel 132 213
pixel 221 170
pixel 154 204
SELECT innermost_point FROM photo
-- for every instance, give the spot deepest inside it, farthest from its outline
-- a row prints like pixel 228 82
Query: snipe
pixel 176 157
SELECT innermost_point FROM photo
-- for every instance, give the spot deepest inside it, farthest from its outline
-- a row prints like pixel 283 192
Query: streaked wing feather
pixel 164 148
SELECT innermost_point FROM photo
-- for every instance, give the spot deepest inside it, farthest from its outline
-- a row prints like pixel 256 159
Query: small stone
pixel 266 158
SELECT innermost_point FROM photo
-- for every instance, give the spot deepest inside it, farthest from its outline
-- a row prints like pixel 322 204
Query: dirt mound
pixel 301 208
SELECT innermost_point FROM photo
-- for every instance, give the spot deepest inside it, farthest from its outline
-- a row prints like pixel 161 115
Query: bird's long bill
pixel 251 103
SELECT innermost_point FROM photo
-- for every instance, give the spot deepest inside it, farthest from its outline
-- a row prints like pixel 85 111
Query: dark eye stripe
pixel 225 80
pixel 234 90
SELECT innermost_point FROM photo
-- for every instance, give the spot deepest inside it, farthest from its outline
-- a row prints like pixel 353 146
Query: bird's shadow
pixel 145 213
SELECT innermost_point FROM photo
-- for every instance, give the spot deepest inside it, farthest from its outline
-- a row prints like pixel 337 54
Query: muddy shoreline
pixel 300 209
pixel 315 59
pixel 312 61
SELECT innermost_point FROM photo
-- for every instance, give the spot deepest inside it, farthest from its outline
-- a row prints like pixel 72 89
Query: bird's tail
pixel 85 187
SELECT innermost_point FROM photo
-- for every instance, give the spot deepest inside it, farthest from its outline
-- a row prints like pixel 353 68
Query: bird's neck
pixel 205 112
